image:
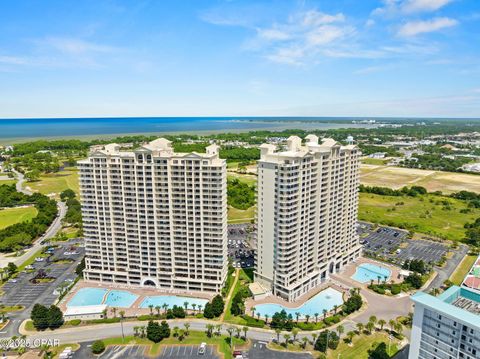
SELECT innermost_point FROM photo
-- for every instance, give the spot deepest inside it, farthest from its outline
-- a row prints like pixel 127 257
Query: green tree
pixel 98 347
pixel 39 316
pixel 55 317
pixel 154 332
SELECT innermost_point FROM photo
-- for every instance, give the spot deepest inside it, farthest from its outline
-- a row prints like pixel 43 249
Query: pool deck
pixel 250 303
pixel 350 269
pixel 142 293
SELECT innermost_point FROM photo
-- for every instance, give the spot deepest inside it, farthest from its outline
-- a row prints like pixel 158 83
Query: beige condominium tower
pixel 153 217
pixel 307 214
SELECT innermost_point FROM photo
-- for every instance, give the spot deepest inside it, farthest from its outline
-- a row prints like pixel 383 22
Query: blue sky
pixel 240 58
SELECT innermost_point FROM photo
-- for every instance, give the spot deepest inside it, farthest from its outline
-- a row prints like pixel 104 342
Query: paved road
pixel 445 272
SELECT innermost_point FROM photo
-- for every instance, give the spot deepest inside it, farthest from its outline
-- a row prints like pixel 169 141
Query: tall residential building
pixel 447 326
pixel 307 214
pixel 153 217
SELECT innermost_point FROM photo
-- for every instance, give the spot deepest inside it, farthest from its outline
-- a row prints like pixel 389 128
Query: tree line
pixel 18 235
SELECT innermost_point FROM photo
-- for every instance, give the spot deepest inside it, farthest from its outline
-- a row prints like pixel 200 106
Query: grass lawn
pixel 361 345
pixel 240 216
pixel 55 183
pixel 423 214
pixel 11 308
pixel 458 276
pixel 373 161
pixel 245 277
pixel 9 216
pixel 9 181
pixel 251 180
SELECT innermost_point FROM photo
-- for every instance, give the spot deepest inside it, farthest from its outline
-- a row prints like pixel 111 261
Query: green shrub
pixel 98 347
pixel 74 322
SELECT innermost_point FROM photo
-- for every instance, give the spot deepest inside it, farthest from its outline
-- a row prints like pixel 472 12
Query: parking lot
pixel 259 350
pixel 394 244
pixel 240 238
pixel 23 291
pixel 187 351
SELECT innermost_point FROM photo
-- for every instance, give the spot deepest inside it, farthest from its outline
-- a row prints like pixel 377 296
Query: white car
pixel 202 349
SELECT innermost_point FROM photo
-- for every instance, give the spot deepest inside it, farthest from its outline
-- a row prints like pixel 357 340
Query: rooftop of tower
pixel 295 148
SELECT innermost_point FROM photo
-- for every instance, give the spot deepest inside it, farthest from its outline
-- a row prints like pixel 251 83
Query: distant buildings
pixel 447 326
pixel 473 167
pixel 153 217
pixel 306 214
pixel 377 155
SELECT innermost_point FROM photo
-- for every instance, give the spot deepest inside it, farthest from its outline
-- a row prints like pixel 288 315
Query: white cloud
pixel 399 7
pixel 424 5
pixel 413 28
pixel 302 36
pixel 74 46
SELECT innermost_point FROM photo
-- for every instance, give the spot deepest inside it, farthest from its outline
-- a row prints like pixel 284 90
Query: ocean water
pixel 81 127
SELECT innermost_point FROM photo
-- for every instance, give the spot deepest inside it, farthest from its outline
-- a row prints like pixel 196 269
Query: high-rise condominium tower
pixel 307 214
pixel 153 217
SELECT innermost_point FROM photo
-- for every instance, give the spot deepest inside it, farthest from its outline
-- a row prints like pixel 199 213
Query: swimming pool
pixel 87 296
pixel 171 300
pixel 366 272
pixel 120 298
pixel 326 299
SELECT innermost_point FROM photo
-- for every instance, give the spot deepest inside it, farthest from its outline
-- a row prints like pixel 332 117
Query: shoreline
pixel 275 126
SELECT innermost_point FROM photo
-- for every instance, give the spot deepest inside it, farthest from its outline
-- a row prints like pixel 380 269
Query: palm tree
pixel 230 331
pixel 143 331
pixel 325 314
pixel 360 327
pixel 258 315
pixel 199 308
pixel 187 327
pixel 370 327
pixel 373 319
pixel 316 317
pixel 175 331
pixel 135 331
pixel 245 330
pixel 122 316
pixel 350 335
pixel 151 309
pixel 295 332
pixel 340 330
pixel 278 332
pixel 307 317
pixel 157 308
pixel 114 312
pixel 335 308
pixel 371 282
pixel 210 328
pixel 238 331
pixel 266 318
pixel 286 336
pixel 378 279
pixel 391 322
pixel 399 328
pixel 305 341
pixel 381 322
pixel 297 315
pixel 181 334
pixel 219 329
pixel 314 337
pixel 185 304
pixel 253 311
pixel 165 307
pixel 194 306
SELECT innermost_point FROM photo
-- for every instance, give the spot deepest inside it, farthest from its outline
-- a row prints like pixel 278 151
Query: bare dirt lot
pixel 397 177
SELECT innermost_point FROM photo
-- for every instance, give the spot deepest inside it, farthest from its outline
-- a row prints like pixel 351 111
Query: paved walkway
pixel 381 306
pixel 230 293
